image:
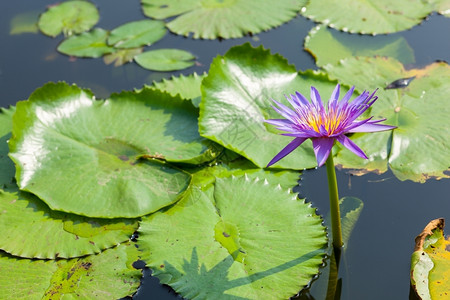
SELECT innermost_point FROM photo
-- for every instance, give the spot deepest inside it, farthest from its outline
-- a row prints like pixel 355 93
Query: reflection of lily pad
pixel 231 241
pixel 165 59
pixel 236 99
pixel 210 19
pixel 321 39
pixel 136 34
pixel 418 148
pixel 105 158
pixel 370 16
pixel 430 263
pixel 108 275
pixel 87 44
pixel 70 17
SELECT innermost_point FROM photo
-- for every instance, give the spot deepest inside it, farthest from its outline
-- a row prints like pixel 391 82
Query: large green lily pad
pixel 430 263
pixel 418 148
pixel 105 158
pixel 6 165
pixel 187 87
pixel 136 34
pixel 108 275
pixel 70 17
pixel 26 220
pixel 370 16
pixel 321 39
pixel 236 99
pixel 239 239
pixel 87 44
pixel 210 19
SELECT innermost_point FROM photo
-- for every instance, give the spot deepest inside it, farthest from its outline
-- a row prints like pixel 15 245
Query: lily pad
pixel 236 99
pixel 229 242
pixel 430 263
pixel 108 275
pixel 210 19
pixel 187 87
pixel 70 17
pixel 87 44
pixel 105 158
pixel 418 148
pixel 368 17
pixel 136 34
pixel 321 39
pixel 165 59
pixel 54 234
pixel 121 56
pixel 6 165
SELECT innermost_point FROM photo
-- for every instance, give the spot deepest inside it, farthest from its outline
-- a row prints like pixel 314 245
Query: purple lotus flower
pixel 325 125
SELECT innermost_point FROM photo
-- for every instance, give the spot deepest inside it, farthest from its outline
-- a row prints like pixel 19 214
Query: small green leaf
pixel 136 34
pixel 121 56
pixel 321 39
pixel 70 17
pixel 108 275
pixel 210 19
pixel 187 87
pixel 369 16
pixel 6 165
pixel 165 59
pixel 430 263
pixel 229 242
pixel 24 23
pixel 105 158
pixel 87 44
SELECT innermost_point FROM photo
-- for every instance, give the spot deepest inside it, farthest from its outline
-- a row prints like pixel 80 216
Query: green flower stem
pixel 334 203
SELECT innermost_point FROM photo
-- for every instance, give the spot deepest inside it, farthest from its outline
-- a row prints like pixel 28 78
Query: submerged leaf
pixel 105 158
pixel 24 23
pixel 430 263
pixel 70 17
pixel 212 19
pixel 321 39
pixel 165 59
pixel 219 243
pixel 87 44
pixel 121 56
pixel 108 275
pixel 370 16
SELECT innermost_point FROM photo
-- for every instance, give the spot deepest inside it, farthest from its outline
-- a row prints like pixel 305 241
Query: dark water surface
pixel 377 260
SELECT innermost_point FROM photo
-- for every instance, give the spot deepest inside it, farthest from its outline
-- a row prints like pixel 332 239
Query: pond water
pixel 376 262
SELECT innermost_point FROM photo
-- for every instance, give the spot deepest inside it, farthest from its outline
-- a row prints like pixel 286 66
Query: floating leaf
pixel 6 165
pixel 70 17
pixel 108 275
pixel 105 158
pixel 371 16
pixel 212 19
pixel 321 39
pixel 136 34
pixel 54 234
pixel 24 23
pixel 229 241
pixel 187 87
pixel 121 56
pixel 236 99
pixel 87 44
pixel 165 59
pixel 430 263
pixel 418 148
